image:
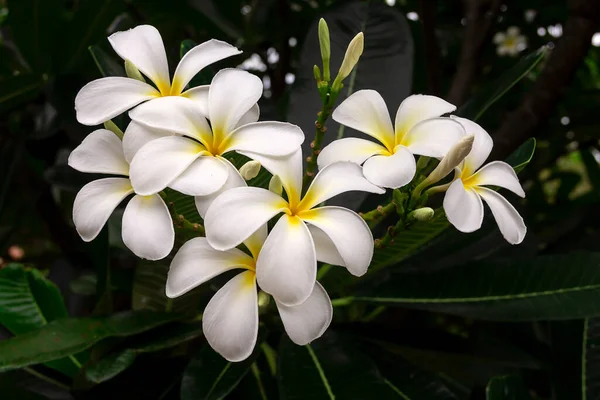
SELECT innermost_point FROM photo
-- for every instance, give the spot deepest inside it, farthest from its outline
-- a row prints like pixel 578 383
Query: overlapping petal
pixel 270 138
pixel 324 247
pixel 230 320
pixel 366 111
pixel 463 207
pixel 498 173
pixel 95 202
pixel 237 213
pixel 202 177
pixel 417 108
pixel 482 145
pixel 137 136
pixel 148 228
pixel 287 266
pixel 349 149
pixel 105 98
pixel 391 171
pixel 100 152
pixel 509 221
pixel 309 320
pixel 234 179
pixel 197 262
pixel 349 233
pixel 433 137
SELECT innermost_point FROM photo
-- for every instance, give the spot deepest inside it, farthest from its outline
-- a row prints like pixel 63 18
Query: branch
pixel 539 104
pixel 480 16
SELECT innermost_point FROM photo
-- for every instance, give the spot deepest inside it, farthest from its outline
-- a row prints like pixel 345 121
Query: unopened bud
pixel 132 71
pixel 325 45
pixel 263 300
pixel 111 126
pixel 452 159
pixel 423 214
pixel 353 53
pixel 275 185
pixel 317 73
pixel 250 170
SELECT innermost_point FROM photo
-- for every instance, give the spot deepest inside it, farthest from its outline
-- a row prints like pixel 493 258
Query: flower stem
pixel 180 222
pixel 375 216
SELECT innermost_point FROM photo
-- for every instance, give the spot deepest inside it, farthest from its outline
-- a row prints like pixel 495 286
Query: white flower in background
pixel 510 43
pixel 287 265
pixel 189 158
pixel 105 98
pixel 462 202
pixel 147 226
pixel 230 320
pixel 390 163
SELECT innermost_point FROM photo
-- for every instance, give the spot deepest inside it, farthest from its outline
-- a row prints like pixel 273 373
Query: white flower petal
pixel 137 136
pixel 482 145
pixel 232 94
pixel 499 37
pixel 95 202
pixel 159 162
pixel 238 213
pixel 336 178
pixel 197 58
pixel 230 320
pixel 509 221
pixel 234 179
pixel 174 114
pixel 366 111
pixel 309 320
pixel 196 262
pixel 498 173
pixel 417 108
pixel 100 152
pixel 251 116
pixel 148 228
pixel 433 137
pixel 255 242
pixel 199 95
pixel 349 233
pixel 391 171
pixel 270 138
pixel 204 176
pixel 105 98
pixel 287 168
pixel 287 265
pixel 463 207
pixel 326 250
pixel 143 46
pixel 349 149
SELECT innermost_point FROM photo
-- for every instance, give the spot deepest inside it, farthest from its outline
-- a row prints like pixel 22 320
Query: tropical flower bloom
pixel 287 265
pixel 147 226
pixel 462 202
pixel 105 98
pixel 230 320
pixel 390 163
pixel 510 43
pixel 189 159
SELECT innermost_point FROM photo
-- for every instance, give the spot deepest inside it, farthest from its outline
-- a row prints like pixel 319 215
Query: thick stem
pixel 322 116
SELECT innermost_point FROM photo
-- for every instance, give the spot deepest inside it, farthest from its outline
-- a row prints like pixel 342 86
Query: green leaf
pixel 330 368
pixel 210 377
pixel 107 65
pixel 69 336
pixel 546 288
pixel 159 339
pixel 506 388
pixel 19 89
pixel 28 301
pixel 590 374
pixel 522 156
pixel 475 107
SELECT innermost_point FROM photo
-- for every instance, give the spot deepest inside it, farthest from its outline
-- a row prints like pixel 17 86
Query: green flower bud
pixel 275 185
pixel 353 53
pixel 325 45
pixel 132 71
pixel 423 214
pixel 250 170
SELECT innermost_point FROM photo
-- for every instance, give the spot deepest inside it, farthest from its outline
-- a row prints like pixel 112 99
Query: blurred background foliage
pixel 473 317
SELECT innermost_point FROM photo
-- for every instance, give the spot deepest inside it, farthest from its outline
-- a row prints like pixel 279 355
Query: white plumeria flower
pixel 305 233
pixel 147 225
pixel 230 320
pixel 391 164
pixel 510 43
pixel 462 202
pixel 105 98
pixel 190 158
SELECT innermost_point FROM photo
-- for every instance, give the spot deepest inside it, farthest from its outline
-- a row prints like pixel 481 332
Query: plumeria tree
pixel 369 243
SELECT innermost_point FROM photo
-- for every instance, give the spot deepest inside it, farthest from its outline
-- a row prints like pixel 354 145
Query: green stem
pixel 375 216
pixel 322 116
pixel 46 378
pixel 180 222
pixel 390 233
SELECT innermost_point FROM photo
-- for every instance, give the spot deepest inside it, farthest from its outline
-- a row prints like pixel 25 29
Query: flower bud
pixel 275 185
pixel 263 300
pixel 111 126
pixel 325 46
pixel 132 71
pixel 353 53
pixel 250 170
pixel 423 214
pixel 452 159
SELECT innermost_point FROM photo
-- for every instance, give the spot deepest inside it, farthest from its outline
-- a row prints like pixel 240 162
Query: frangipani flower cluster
pixel 511 42
pixel 180 139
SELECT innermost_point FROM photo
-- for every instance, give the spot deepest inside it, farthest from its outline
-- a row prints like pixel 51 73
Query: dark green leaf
pixel 107 65
pixel 330 368
pixel 590 379
pixel 69 336
pixel 210 377
pixel 546 288
pixel 475 107
pixel 522 156
pixel 28 301
pixel 506 388
pixel 16 90
pixel 162 338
